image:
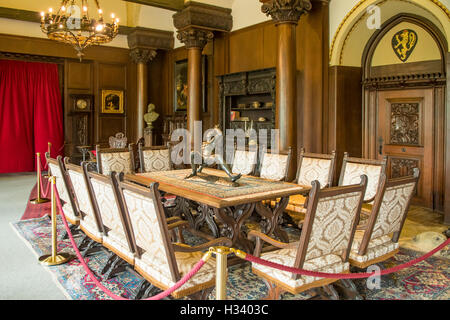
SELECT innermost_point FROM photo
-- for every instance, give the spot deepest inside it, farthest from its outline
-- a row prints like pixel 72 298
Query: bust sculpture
pixel 151 116
pixel 209 158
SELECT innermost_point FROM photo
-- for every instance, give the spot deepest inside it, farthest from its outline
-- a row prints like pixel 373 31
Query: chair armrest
pixel 261 236
pixel 173 219
pixel 216 242
pixel 180 223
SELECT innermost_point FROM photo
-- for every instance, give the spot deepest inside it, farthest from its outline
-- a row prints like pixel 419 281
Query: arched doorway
pixel 404 101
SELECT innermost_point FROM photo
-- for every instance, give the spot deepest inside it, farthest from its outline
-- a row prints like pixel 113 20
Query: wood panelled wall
pixel 254 48
pixel 102 68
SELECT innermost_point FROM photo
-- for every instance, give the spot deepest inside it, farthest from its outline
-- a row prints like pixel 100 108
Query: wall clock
pixel 82 103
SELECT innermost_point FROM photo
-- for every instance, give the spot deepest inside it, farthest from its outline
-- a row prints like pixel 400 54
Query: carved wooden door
pixel 405 135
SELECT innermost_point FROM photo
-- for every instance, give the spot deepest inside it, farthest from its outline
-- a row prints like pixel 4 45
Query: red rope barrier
pixel 159 296
pixel 44 194
pixel 281 267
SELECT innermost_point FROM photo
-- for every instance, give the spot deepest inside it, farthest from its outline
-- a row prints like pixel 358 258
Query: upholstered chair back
pixel 390 208
pixel 244 162
pixel 275 166
pixel 89 219
pixel 61 186
pixel 149 227
pixel 154 159
pixel 353 168
pixel 330 222
pixel 115 160
pixel 318 167
pixel 105 202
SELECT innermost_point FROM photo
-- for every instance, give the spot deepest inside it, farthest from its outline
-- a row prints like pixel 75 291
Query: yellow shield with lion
pixel 404 43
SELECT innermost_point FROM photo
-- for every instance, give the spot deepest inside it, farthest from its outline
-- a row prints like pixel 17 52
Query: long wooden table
pixel 232 204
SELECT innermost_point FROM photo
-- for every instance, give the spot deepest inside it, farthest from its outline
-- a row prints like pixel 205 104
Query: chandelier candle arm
pixel 73 25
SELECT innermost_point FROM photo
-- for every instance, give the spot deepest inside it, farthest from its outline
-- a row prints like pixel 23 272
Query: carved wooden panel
pixel 401 167
pixel 112 76
pixel 405 124
pixel 109 126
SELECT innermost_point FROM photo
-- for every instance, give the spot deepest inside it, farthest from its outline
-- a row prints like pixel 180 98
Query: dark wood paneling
pixel 79 75
pixel 423 67
pixel 112 76
pixel 345 113
pixel 109 126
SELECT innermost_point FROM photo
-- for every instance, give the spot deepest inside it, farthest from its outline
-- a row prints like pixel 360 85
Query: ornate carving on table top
pixel 286 10
pixel 405 124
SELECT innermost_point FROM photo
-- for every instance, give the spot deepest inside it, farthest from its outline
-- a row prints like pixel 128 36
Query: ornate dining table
pixel 212 194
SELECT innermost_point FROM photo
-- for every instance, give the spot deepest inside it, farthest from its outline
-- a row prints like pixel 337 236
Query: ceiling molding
pixel 174 5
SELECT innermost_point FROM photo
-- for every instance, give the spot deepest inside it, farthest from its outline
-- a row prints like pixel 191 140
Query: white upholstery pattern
pixel 156 160
pixel 314 169
pixel 274 166
pixel 353 173
pixel 60 185
pixel 116 161
pixel 155 260
pixel 110 214
pixel 244 162
pixel 84 203
pixel 329 263
pixel 393 209
pixel 377 247
pixel 332 225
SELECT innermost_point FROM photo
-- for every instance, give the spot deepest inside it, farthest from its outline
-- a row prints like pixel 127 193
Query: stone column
pixel 286 14
pixel 141 57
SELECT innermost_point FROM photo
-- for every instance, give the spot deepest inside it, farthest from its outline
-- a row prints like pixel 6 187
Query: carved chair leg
pixel 108 263
pixel 347 288
pixel 84 242
pixel 275 291
pixel 92 247
pixel 117 266
pixel 331 292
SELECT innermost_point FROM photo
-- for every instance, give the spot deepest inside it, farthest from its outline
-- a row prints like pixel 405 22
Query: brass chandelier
pixel 73 25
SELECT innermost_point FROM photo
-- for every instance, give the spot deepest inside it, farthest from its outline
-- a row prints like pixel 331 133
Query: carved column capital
pixel 194 37
pixel 140 55
pixel 285 11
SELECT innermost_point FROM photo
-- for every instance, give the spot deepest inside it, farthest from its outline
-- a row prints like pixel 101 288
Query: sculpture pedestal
pixel 148 137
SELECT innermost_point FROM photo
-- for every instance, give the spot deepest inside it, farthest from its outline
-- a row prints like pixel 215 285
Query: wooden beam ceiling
pixel 175 5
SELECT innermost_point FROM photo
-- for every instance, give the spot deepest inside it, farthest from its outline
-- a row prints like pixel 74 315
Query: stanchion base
pixel 39 200
pixel 60 258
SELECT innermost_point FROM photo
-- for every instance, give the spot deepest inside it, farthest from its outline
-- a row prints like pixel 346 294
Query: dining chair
pixel 118 160
pixel 331 219
pixel 312 166
pixel 377 239
pixel 64 188
pixel 90 222
pixel 352 168
pixel 244 162
pixel 275 166
pixel 116 236
pixel 155 158
pixel 159 260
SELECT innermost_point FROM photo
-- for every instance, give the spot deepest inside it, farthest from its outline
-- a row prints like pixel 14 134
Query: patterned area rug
pixel 429 280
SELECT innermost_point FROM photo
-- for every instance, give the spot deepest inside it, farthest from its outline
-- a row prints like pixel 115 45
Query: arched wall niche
pixel 439 42
pixel 352 34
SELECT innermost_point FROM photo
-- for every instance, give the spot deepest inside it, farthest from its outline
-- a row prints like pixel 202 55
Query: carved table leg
pixel 206 215
pixel 272 218
pixel 233 219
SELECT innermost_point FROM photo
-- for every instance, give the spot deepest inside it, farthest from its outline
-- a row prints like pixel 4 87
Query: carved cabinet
pixel 247 101
pixel 81 115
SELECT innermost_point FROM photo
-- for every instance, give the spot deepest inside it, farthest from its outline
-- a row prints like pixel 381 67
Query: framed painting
pixel 181 85
pixel 112 101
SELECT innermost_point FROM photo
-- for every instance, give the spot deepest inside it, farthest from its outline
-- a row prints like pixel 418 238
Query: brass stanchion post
pixel 54 258
pixel 48 169
pixel 39 200
pixel 221 272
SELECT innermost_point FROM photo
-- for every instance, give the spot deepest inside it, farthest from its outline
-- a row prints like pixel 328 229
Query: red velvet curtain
pixel 30 114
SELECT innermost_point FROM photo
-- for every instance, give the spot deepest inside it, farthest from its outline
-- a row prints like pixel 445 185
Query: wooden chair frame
pixel 141 150
pixel 152 192
pixel 100 150
pixel 368 228
pixel 316 194
pixel 382 163
pixel 288 162
pixel 332 157
pixel 124 219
